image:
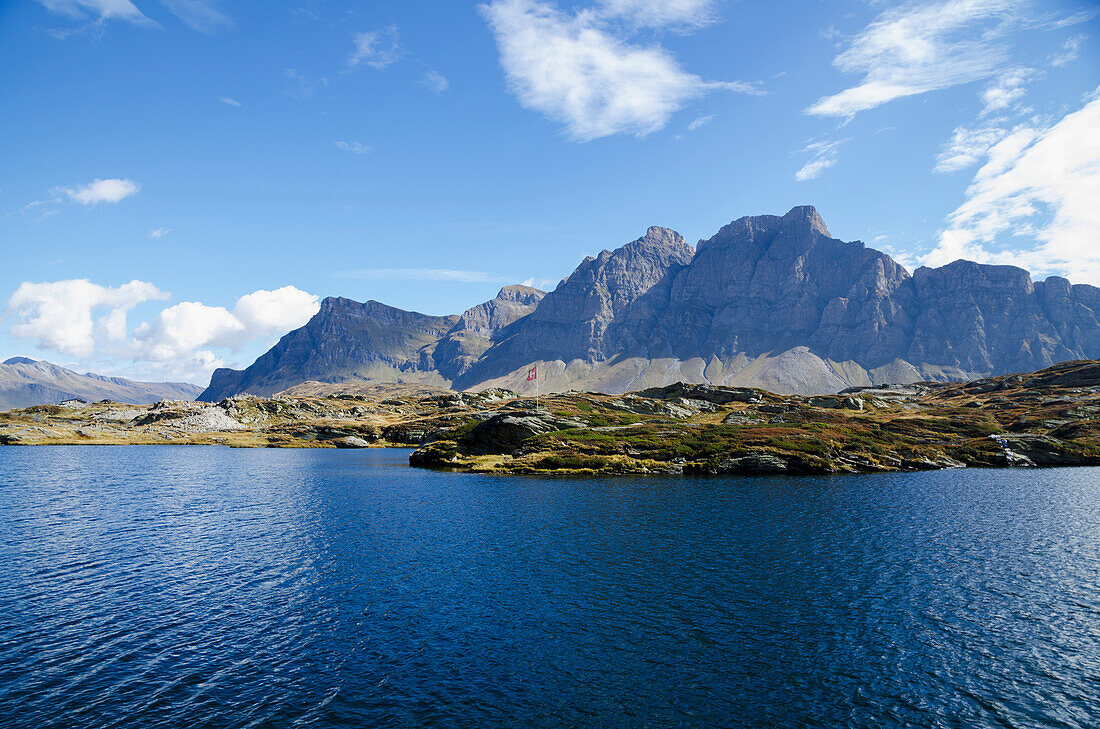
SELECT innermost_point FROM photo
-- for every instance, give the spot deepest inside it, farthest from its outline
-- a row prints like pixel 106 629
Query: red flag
pixel 533 373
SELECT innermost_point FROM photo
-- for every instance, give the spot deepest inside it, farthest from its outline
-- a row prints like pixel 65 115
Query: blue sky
pixel 180 180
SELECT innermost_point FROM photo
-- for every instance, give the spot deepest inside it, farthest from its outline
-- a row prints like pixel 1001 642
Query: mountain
pixel 769 301
pixel 344 341
pixel 25 382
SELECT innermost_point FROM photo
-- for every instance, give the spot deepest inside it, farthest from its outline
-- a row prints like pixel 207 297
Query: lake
pixel 209 587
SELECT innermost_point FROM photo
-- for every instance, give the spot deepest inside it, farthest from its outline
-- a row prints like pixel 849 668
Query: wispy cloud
pixel 102 191
pixel 967 148
pixel 423 274
pixel 681 14
pixel 578 70
pixel 914 49
pixel 201 15
pixel 93 193
pixel 300 86
pixel 1070 50
pixel 354 147
pixel 823 155
pixel 701 122
pixel 1037 183
pixel 376 48
pixel 157 233
pixel 99 11
pixel 435 82
pixel 229 101
pixel 1006 91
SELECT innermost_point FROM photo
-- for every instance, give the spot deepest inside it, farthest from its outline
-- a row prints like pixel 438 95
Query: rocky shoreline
pixel 1046 418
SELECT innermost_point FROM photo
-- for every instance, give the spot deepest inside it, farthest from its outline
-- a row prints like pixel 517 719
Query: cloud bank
pixel 1037 183
pixel 82 319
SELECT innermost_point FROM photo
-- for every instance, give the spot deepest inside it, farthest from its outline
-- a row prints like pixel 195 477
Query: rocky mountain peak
pixel 805 217
pixel 520 294
pixel 659 237
pixel 19 361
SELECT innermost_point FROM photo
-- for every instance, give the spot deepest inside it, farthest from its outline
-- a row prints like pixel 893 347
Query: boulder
pixel 754 463
pixel 350 442
pixel 837 402
pixel 507 432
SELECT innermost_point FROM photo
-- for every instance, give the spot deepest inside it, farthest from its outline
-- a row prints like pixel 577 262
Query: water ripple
pixel 203 587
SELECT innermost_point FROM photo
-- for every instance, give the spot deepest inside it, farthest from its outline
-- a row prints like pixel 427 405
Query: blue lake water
pixel 206 587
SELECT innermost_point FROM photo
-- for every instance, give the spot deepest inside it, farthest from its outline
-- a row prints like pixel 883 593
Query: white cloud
pixel 376 48
pixel 824 154
pixel 1006 91
pixel 1041 184
pixel 967 148
pixel 1070 50
pixel 180 338
pixel 229 101
pixel 661 13
pixel 423 274
pixel 82 319
pixel 574 69
pixel 268 312
pixel 98 10
pixel 435 82
pixel 185 328
pixel 914 49
pixel 98 191
pixel 700 122
pixel 159 232
pixel 59 315
pixel 354 147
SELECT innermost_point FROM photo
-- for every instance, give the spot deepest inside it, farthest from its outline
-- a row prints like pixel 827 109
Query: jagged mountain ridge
pixel 25 382
pixel 768 301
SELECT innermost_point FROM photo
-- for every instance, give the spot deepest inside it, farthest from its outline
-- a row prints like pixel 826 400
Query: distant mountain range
pixel 25 382
pixel 769 301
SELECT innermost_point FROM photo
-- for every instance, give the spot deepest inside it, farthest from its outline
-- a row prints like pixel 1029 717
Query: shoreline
pixel 1047 418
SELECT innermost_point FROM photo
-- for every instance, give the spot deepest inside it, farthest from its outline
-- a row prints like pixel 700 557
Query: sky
pixel 182 181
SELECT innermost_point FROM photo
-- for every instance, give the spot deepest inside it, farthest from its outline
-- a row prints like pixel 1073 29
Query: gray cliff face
pixel 345 340
pixel 768 284
pixel 768 301
pixel 473 334
pixel 991 319
pixel 25 382
pixel 606 307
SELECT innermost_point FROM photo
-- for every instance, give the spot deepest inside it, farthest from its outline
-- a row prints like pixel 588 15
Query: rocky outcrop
pixel 25 382
pixel 771 302
pixel 507 432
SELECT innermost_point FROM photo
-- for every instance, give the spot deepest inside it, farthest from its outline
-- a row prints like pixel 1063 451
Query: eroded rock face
pixel 608 306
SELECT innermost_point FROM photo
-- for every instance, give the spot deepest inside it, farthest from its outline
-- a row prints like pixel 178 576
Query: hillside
pixel 25 382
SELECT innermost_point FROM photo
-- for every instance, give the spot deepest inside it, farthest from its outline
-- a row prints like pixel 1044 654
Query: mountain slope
pixel 25 382
pixel 769 301
pixel 343 341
